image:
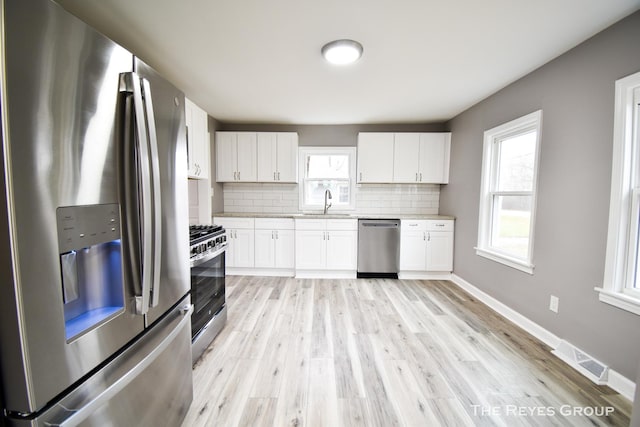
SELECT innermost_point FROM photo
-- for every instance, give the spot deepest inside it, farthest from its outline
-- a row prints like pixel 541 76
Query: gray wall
pixel 576 95
pixel 635 413
pixel 332 135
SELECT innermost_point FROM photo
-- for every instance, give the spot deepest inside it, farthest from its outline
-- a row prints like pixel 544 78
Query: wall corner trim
pixel 616 381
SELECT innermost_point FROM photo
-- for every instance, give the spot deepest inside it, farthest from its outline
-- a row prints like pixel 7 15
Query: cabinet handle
pixel 424 236
pixel 327 235
pixel 235 234
pixel 324 235
pixel 235 176
pixel 420 176
pixel 428 237
pixel 277 237
pixel 416 176
pixel 360 176
pixel 273 234
pixel 238 175
pixel 278 176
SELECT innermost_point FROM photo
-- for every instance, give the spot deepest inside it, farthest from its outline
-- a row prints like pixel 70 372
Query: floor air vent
pixel 591 368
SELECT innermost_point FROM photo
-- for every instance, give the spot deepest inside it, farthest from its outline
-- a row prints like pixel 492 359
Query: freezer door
pixel 60 101
pixel 172 247
pixel 148 385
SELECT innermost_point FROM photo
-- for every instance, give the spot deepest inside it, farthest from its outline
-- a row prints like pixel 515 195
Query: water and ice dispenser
pixel 90 248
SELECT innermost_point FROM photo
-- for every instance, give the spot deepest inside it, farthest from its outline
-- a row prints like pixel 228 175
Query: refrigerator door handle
pixel 130 83
pixel 156 193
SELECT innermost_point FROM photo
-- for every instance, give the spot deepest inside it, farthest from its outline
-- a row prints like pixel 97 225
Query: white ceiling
pixel 424 60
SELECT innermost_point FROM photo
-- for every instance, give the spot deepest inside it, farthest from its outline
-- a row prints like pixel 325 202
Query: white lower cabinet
pixel 240 241
pixel 274 243
pixel 326 247
pixel 426 246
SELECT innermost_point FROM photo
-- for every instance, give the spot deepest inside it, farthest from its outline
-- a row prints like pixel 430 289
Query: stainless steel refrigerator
pixel 94 269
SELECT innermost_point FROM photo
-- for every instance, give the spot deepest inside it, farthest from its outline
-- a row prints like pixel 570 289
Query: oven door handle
pixel 208 256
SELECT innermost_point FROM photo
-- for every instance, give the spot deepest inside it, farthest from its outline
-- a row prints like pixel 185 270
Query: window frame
pixel 303 152
pixel 623 235
pixel 488 190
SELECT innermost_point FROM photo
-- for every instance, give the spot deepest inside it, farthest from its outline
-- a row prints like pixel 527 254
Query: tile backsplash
pixel 370 198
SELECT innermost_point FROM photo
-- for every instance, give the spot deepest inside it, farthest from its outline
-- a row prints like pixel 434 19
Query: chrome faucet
pixel 327 196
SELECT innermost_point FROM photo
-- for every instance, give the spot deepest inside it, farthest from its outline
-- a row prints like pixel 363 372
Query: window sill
pixel 620 300
pixel 509 262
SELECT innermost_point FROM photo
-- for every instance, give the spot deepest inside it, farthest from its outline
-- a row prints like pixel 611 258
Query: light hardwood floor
pixel 378 352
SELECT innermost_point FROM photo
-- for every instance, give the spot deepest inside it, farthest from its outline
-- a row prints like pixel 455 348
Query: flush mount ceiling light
pixel 342 52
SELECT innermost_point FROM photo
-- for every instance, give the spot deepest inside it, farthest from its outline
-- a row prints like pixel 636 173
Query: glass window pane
pixel 328 166
pixel 516 161
pixel 511 225
pixel 314 192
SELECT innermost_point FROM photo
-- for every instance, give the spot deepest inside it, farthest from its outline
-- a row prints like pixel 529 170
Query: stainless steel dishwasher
pixel 378 247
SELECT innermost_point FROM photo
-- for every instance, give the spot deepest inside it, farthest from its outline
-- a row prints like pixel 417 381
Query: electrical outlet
pixel 554 301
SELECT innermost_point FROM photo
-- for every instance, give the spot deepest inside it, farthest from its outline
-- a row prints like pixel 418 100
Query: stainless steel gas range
pixel 208 245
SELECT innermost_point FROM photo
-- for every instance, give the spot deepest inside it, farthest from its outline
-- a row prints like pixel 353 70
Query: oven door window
pixel 207 291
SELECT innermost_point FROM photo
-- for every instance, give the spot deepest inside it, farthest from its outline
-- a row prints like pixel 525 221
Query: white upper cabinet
pixel 406 158
pixel 409 158
pixel 375 152
pixel 196 120
pixel 236 156
pixel 257 156
pixel 421 158
pixel 277 157
pixel 434 157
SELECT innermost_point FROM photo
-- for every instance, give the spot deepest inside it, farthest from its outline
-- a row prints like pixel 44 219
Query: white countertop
pixel 330 216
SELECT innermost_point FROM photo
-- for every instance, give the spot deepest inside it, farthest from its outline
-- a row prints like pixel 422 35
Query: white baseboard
pixel 616 381
pixel 325 274
pixel 423 275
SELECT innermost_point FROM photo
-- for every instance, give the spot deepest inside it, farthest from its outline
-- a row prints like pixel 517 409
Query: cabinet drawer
pixel 413 224
pixel 274 223
pixel 446 225
pixel 311 224
pixel 234 223
pixel 342 224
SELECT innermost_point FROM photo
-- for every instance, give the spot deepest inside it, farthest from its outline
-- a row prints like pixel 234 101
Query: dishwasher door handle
pixel 380 225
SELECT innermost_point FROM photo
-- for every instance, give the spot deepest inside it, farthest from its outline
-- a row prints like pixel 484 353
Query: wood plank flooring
pixel 378 352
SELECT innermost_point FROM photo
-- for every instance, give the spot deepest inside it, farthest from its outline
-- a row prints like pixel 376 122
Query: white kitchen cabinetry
pixel 277 157
pixel 236 156
pixel 240 242
pixel 421 158
pixel 375 154
pixel 426 248
pixel 326 247
pixel 197 140
pixel 274 245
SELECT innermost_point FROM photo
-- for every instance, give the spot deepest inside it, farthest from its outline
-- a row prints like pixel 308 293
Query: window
pixel 327 168
pixel 621 285
pixel 508 193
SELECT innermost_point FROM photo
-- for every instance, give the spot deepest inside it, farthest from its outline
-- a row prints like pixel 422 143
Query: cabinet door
pixel 310 249
pixel 201 142
pixel 264 248
pixel 226 156
pixel 342 250
pixel 230 256
pixel 287 157
pixel 439 251
pixel 266 156
pixel 434 158
pixel 247 157
pixel 284 249
pixel 243 248
pixel 405 157
pixel 413 249
pixel 375 154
